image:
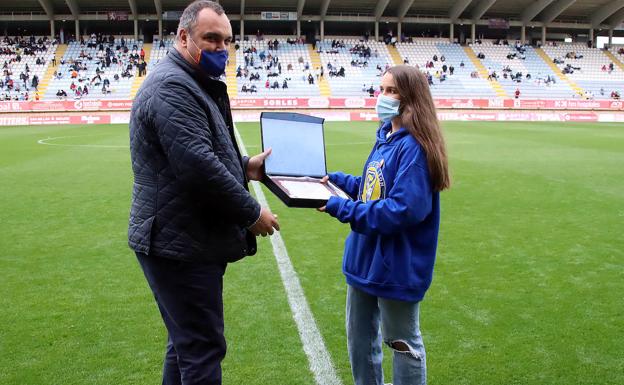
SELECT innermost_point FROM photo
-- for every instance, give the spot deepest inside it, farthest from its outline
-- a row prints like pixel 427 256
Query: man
pixel 191 209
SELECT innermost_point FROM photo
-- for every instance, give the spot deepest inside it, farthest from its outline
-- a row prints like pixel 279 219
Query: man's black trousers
pixel 189 297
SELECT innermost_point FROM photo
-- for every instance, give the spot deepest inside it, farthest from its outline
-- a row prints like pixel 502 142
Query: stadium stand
pixel 264 67
pixel 352 66
pixel 590 68
pixel 106 66
pixel 445 81
pixel 159 51
pixel 24 63
pixel 520 70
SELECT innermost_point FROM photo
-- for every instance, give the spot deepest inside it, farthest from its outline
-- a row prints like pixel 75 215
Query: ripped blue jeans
pixel 372 320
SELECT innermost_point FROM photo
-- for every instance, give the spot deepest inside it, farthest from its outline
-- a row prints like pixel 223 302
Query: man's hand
pixel 254 167
pixel 265 224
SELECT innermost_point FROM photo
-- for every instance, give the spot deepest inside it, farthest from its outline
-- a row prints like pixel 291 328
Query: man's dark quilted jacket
pixel 190 199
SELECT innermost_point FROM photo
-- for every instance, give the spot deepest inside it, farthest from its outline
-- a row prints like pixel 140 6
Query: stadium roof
pixel 595 13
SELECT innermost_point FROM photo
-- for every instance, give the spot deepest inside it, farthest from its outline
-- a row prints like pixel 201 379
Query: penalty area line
pixel 313 345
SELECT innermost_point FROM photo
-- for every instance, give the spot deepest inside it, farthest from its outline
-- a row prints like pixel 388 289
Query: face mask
pixel 387 107
pixel 213 63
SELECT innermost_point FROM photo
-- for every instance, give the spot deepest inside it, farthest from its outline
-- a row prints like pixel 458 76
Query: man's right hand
pixel 265 224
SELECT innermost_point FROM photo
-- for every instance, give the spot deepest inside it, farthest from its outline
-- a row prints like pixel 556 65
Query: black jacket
pixel 190 198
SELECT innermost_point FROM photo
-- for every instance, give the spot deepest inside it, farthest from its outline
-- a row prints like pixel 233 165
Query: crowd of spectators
pixel 261 64
pixel 112 58
pixel 22 58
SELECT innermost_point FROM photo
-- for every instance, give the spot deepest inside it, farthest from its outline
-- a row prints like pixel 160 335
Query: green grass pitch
pixel 528 285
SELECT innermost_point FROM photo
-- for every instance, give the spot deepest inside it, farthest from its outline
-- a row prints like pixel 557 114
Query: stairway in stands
pixel 483 72
pixel 395 55
pixel 230 73
pixel 139 80
pixel 548 60
pixel 47 77
pixel 315 60
pixel 614 59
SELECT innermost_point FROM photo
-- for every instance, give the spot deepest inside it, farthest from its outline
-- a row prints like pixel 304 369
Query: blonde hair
pixel 418 116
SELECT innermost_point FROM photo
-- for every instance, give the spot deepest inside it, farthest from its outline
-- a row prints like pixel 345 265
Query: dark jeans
pixel 189 297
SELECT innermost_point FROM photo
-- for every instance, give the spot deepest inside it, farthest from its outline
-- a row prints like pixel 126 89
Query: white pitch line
pixel 313 345
pixel 47 140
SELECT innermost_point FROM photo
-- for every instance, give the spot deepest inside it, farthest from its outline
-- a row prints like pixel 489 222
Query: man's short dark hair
pixel 189 16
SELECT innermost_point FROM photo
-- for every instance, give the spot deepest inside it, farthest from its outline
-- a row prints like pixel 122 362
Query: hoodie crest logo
pixel 374 183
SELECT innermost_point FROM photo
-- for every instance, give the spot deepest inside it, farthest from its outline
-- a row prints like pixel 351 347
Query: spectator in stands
pixel 284 84
pixel 517 93
pixel 481 55
pixel 451 70
pixel 615 95
pixel 142 67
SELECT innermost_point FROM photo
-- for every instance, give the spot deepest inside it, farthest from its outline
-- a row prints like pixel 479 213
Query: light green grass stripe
pixel 313 345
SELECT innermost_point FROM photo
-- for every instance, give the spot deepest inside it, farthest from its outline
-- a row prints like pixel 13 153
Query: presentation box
pixel 297 163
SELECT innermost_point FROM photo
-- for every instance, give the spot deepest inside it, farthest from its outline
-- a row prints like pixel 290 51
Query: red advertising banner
pixel 442 103
pixel 331 115
pixel 66 105
pixel 323 103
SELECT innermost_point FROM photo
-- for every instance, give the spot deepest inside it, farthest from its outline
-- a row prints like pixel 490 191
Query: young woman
pixel 395 216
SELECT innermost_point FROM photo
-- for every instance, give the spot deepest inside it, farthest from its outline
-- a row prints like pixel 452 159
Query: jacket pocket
pixel 142 216
pixel 140 233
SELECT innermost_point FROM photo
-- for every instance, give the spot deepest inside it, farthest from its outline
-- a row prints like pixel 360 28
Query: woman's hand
pixel 324 180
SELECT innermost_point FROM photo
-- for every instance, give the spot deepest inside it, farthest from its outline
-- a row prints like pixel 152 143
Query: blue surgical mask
pixel 387 107
pixel 213 63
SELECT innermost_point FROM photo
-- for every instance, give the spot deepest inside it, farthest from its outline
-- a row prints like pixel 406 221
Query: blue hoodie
pixel 395 217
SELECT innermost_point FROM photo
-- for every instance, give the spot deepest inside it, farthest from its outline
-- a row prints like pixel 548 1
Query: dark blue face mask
pixel 213 63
